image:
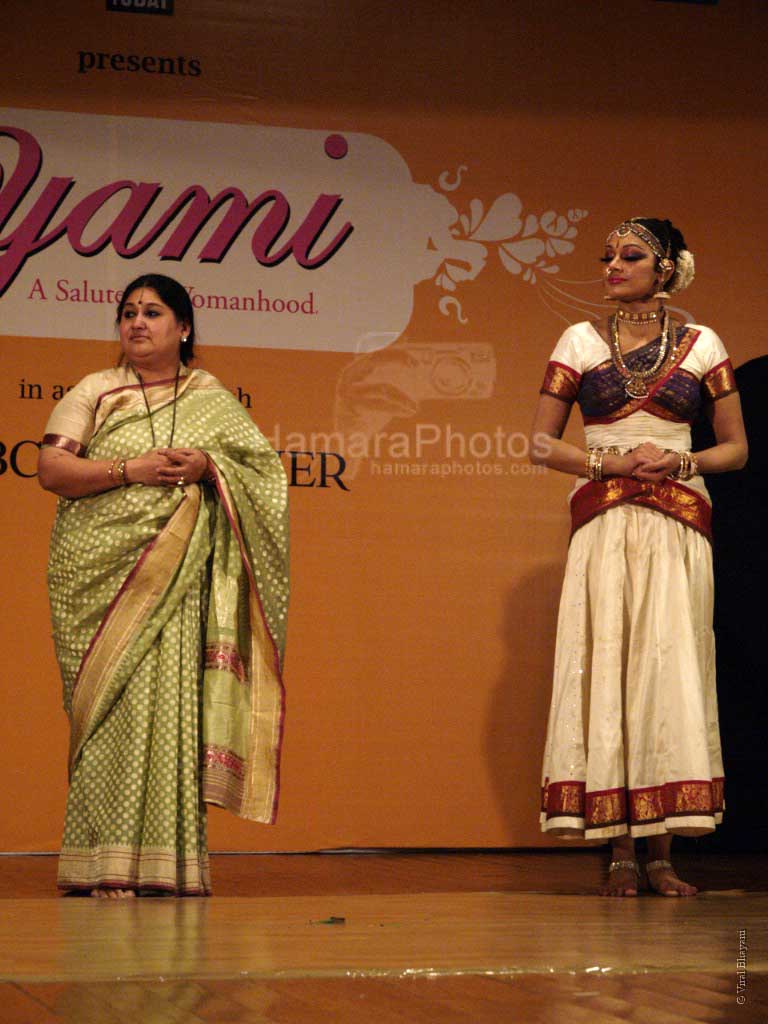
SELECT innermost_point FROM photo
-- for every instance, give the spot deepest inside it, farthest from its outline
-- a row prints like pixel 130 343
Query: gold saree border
pixel 224 774
pixel 116 867
pixel 132 606
pixel 128 397
pixel 238 790
pixel 68 444
pixel 645 805
pixel 158 392
pixel 720 381
pixel 695 796
pixel 560 381
pixel 671 498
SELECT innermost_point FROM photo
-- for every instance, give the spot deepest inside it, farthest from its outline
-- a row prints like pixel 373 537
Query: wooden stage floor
pixel 385 937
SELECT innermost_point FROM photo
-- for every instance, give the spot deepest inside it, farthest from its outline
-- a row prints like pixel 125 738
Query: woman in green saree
pixel 168 587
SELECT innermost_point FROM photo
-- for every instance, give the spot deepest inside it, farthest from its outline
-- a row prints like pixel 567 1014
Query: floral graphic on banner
pixel 390 384
pixel 525 243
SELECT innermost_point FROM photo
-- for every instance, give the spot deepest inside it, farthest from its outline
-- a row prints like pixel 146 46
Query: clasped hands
pixel 168 467
pixel 649 462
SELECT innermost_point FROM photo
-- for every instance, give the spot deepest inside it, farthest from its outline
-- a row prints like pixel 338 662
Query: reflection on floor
pixel 383 937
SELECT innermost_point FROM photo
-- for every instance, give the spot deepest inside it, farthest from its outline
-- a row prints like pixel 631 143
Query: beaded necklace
pixel 635 384
pixel 149 411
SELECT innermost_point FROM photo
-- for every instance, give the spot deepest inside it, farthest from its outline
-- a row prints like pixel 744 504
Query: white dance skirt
pixel 633 743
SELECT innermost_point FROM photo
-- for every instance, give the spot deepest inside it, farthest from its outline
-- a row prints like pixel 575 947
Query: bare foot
pixel 663 880
pixel 113 894
pixel 622 880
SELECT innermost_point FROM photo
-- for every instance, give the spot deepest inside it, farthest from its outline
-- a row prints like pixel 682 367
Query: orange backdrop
pixel 424 599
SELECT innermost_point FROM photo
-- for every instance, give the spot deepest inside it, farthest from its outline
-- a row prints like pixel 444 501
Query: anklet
pixel 654 865
pixel 619 865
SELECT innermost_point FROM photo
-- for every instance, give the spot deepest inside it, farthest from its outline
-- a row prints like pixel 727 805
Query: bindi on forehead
pixel 152 299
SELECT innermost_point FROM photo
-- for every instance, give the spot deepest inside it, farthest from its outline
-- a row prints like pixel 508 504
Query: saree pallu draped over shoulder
pixel 168 609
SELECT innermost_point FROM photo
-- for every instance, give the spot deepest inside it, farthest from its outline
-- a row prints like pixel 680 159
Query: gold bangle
pixel 595 464
pixel 121 471
pixel 114 467
pixel 688 467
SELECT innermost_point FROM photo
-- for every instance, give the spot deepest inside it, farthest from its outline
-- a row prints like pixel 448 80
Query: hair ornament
pixel 685 271
pixel 632 227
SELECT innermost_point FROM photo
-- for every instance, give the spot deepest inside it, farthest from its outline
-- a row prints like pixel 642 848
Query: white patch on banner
pixel 284 237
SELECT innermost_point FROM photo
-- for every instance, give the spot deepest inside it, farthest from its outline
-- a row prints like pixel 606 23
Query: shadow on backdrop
pixel 740 520
pixel 522 693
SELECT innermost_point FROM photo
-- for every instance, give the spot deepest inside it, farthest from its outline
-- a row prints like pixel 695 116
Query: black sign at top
pixel 141 6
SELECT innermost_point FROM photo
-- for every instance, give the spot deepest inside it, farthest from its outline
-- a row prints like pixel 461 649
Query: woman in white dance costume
pixel 633 746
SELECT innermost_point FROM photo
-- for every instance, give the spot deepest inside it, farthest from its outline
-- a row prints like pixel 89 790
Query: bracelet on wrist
pixel 594 462
pixel 116 472
pixel 688 467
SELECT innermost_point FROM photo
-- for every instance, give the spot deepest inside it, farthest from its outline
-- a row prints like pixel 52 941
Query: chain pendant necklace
pixel 635 381
pixel 149 411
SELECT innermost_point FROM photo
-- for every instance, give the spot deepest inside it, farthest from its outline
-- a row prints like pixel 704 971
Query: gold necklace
pixel 635 384
pixel 646 317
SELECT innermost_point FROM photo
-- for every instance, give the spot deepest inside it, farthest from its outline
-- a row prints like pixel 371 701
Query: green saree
pixel 168 608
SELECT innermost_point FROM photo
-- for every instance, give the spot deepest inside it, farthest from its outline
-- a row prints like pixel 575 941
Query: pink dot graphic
pixel 336 147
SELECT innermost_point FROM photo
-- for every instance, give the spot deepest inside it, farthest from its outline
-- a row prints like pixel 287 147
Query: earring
pixel 661 293
pixel 184 339
pixel 665 264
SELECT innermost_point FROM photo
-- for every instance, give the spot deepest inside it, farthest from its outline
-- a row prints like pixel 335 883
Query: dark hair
pixel 176 297
pixel 670 238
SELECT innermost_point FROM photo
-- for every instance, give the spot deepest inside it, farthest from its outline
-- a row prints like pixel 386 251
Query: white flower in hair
pixel 685 271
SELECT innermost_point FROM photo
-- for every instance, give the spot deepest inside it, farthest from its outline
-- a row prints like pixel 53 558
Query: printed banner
pixel 287 238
